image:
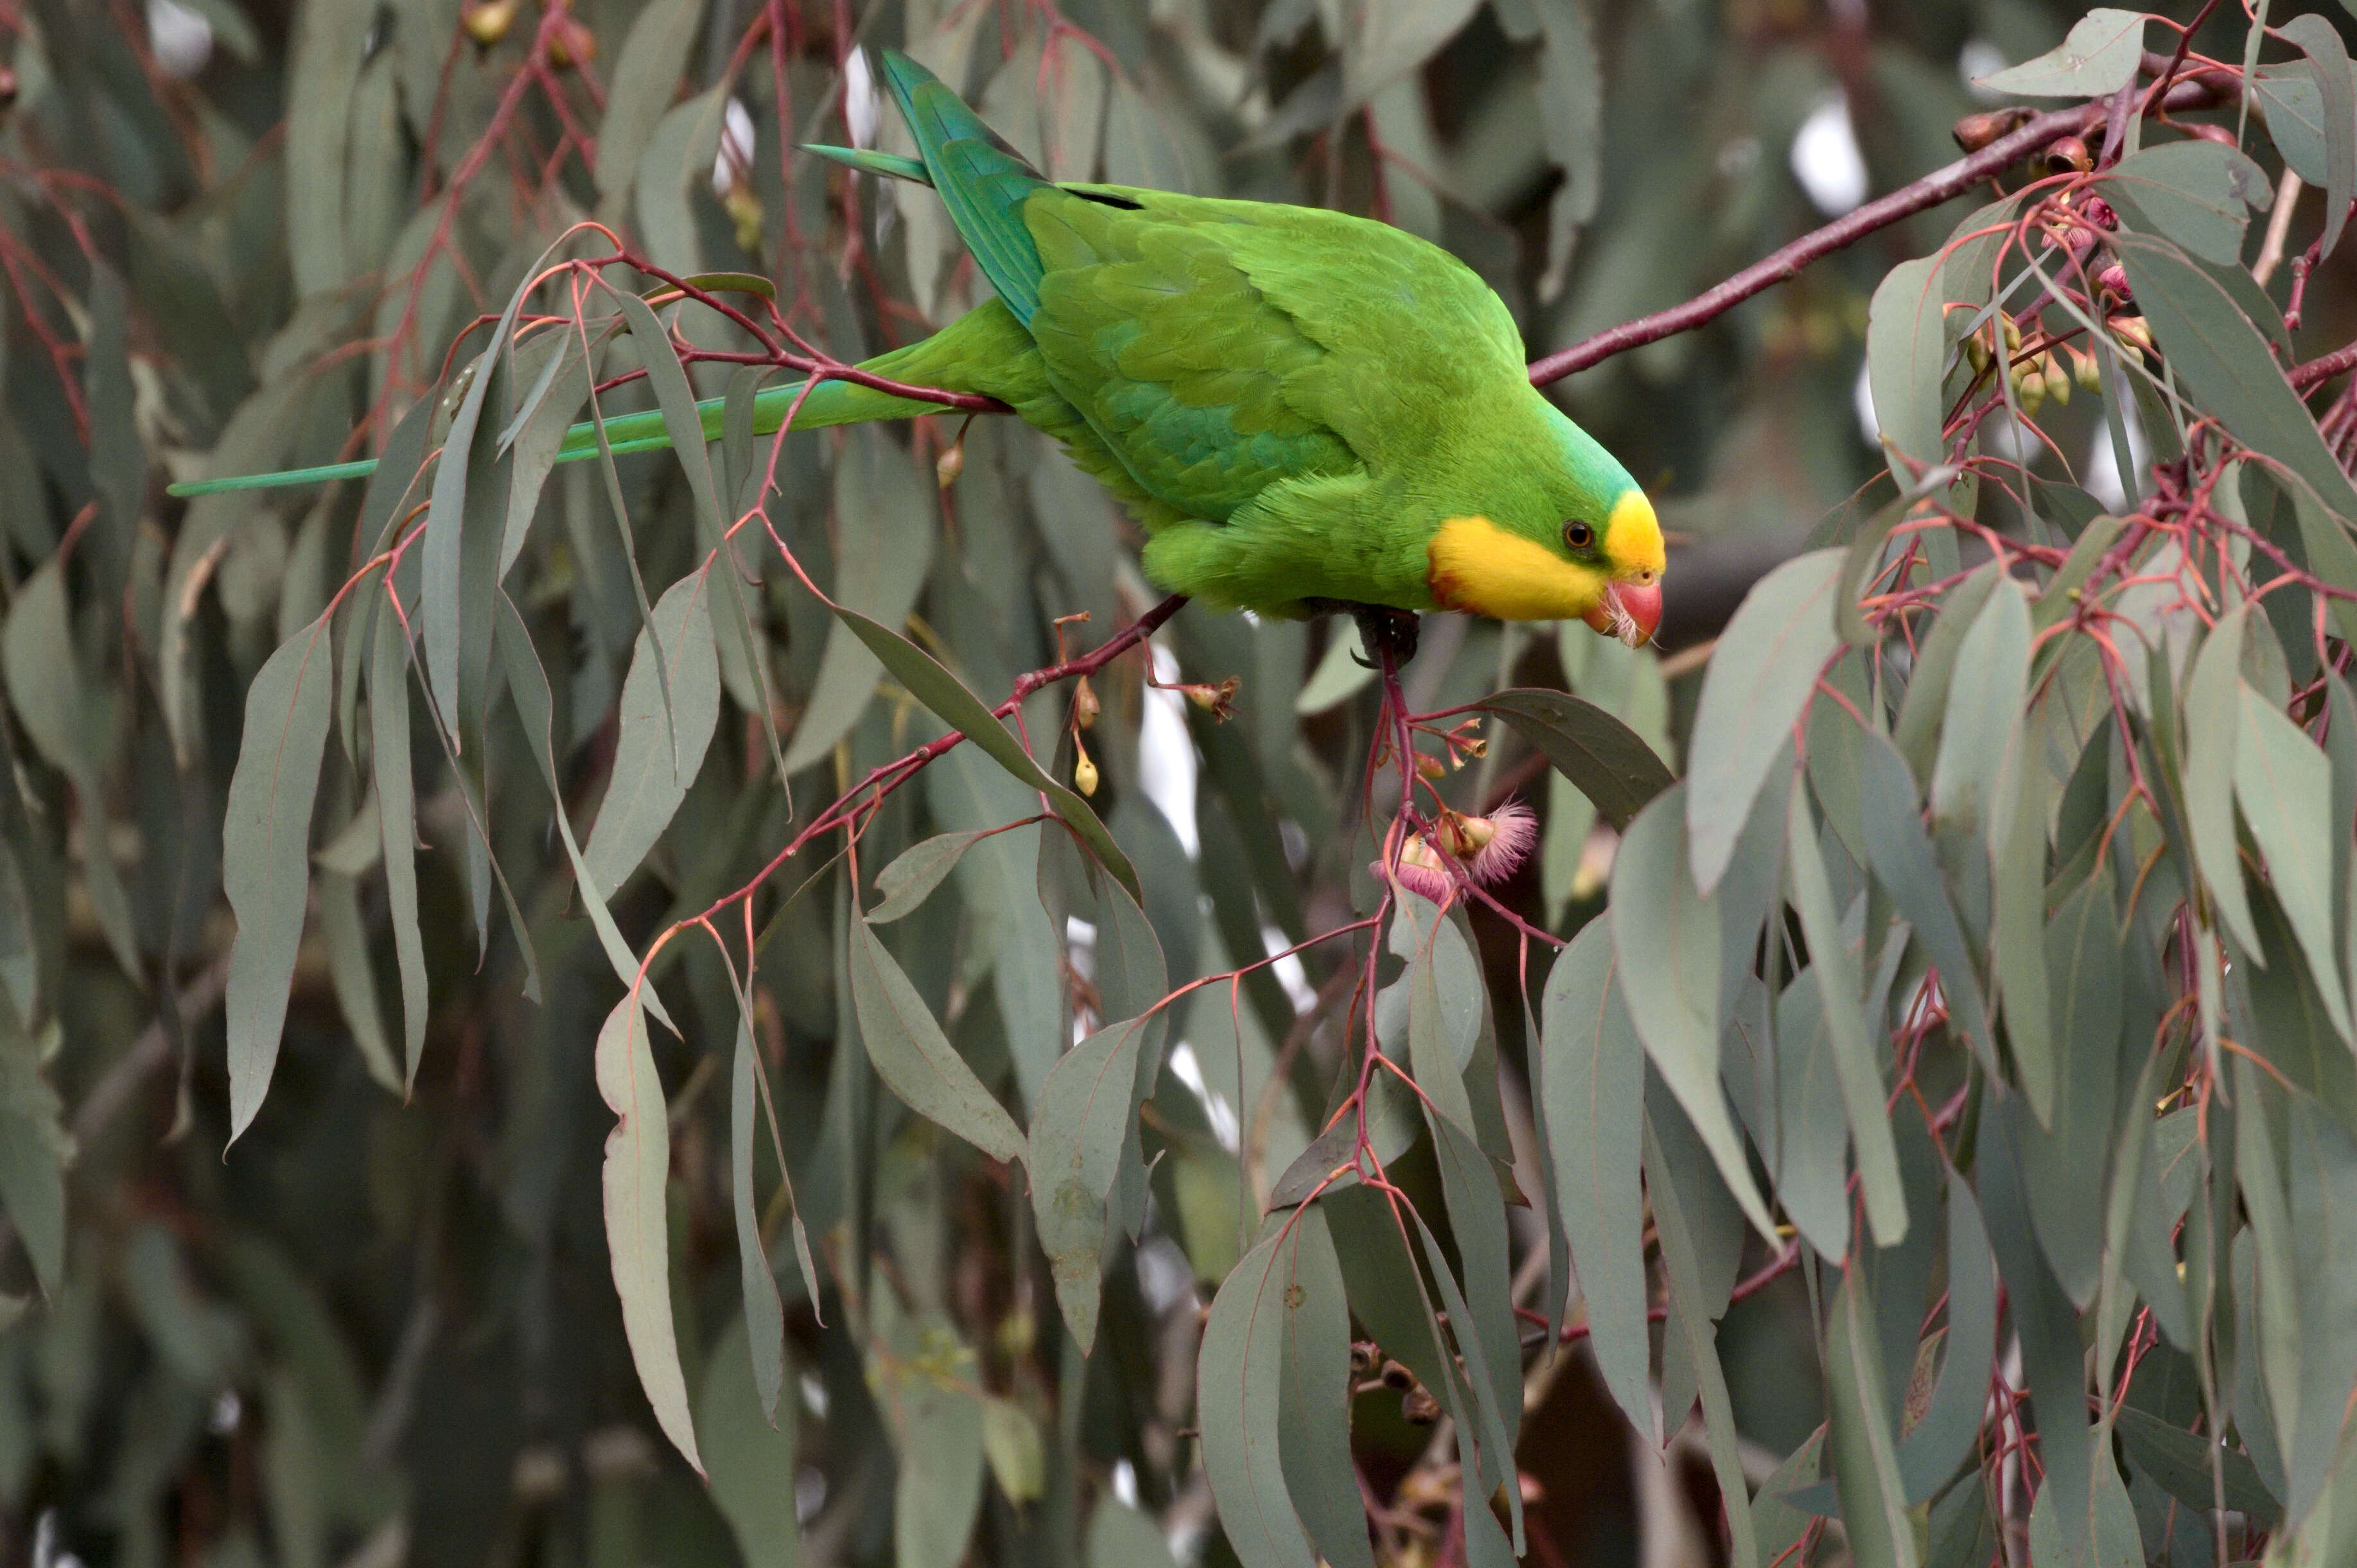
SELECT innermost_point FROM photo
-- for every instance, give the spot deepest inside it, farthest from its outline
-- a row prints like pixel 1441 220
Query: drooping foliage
pixel 769 1002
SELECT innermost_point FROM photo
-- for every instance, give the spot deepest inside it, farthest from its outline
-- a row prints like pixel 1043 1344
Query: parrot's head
pixel 1566 535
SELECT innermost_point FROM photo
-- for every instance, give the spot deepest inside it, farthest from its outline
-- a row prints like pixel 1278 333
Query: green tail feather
pixel 983 181
pixel 830 403
pixel 890 165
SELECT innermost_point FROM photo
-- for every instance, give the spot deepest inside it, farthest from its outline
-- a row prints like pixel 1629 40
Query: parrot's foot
pixel 1387 633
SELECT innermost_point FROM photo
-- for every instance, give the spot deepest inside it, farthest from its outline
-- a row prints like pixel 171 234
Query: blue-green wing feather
pixel 1186 373
pixel 984 182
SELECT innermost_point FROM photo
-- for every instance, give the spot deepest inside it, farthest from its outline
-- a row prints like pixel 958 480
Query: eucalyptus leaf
pixel 265 842
pixel 1758 686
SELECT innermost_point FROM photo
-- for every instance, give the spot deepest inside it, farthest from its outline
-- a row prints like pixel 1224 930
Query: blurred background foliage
pixel 238 234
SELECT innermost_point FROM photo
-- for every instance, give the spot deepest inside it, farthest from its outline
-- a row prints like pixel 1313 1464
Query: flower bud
pixel 1433 767
pixel 2058 380
pixel 1084 703
pixel 950 464
pixel 2131 330
pixel 573 44
pixel 2089 374
pixel 1463 836
pixel 745 208
pixel 2030 390
pixel 488 21
pixel 2012 332
pixel 1974 131
pixel 1976 353
pixel 1084 771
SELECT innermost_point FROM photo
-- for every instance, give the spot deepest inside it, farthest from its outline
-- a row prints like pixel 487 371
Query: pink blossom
pixel 1481 850
pixel 1512 831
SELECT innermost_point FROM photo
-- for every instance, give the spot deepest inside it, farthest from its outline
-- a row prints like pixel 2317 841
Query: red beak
pixel 1630 612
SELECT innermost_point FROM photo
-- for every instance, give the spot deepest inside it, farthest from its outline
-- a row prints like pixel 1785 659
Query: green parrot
pixel 1305 411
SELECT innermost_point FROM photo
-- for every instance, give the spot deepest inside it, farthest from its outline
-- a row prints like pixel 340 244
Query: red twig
pixel 1939 186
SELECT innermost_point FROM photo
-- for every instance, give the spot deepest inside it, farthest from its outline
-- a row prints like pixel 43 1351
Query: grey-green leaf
pixel 1592 1078
pixel 1980 737
pixel 397 815
pixel 911 1055
pixel 1840 988
pixel 1666 937
pixel 2284 787
pixel 913 875
pixel 959 708
pixel 657 753
pixel 2212 717
pixel 265 840
pixel 1928 1455
pixel 1079 1126
pixel 1314 1416
pixel 1898 853
pixel 2327 62
pixel 2198 193
pixel 2099 55
pixel 765 1321
pixel 2225 364
pixel 750 1458
pixel 34 1148
pixel 1906 350
pixel 1759 684
pixel 645 80
pixel 1610 763
pixel 1239 1388
pixel 1864 1463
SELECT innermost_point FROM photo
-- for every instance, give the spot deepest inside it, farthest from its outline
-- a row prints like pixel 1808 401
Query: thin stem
pixel 1941 185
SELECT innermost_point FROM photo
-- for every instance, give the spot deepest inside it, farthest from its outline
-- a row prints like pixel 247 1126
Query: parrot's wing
pixel 1184 370
pixel 1414 341
pixel 983 181
pixel 1222 344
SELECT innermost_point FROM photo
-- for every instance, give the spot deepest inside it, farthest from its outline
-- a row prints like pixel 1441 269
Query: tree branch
pixel 1933 189
pixel 2324 368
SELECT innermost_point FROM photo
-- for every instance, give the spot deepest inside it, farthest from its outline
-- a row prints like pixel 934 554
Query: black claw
pixel 1387 631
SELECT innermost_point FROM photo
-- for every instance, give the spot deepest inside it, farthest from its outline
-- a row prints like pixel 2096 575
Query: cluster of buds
pixel 2035 378
pixel 1464 744
pixel 2001 334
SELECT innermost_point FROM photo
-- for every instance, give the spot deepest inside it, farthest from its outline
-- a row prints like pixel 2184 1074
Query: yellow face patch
pixel 1476 566
pixel 1632 540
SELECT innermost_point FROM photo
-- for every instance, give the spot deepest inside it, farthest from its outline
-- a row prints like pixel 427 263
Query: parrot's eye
pixel 1577 534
